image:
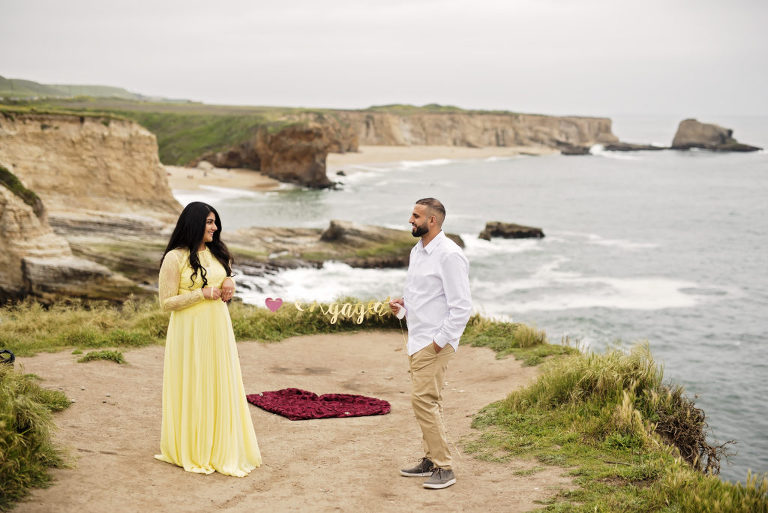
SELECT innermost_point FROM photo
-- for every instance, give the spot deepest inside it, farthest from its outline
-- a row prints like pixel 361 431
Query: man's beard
pixel 418 231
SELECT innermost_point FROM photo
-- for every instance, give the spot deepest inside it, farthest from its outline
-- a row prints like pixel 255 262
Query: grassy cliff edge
pixel 632 442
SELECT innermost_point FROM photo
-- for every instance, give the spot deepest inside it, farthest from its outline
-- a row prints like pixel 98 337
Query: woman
pixel 206 422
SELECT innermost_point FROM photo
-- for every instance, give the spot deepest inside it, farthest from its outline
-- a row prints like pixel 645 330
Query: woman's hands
pixel 227 289
pixel 212 293
pixel 224 293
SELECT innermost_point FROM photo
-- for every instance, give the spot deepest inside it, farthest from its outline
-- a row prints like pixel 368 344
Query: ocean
pixel 666 247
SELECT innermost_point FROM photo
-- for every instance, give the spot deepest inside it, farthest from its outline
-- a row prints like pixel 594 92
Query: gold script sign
pixel 355 312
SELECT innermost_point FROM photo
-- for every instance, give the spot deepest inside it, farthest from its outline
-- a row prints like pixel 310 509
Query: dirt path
pixel 350 464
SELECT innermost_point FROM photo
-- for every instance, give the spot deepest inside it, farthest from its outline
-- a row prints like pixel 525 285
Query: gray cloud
pixel 587 57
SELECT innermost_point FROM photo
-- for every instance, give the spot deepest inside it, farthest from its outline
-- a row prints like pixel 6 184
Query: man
pixel 437 305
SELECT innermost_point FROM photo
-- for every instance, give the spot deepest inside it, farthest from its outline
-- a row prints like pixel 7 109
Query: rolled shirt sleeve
pixel 455 274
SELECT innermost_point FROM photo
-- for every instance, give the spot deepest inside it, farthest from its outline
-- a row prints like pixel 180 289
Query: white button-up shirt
pixel 436 297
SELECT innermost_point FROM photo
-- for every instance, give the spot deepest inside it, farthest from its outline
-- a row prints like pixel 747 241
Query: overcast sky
pixel 596 57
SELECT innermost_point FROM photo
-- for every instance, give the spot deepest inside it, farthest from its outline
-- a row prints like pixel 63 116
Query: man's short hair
pixel 435 206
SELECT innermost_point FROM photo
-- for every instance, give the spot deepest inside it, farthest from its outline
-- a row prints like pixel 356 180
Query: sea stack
pixel 693 134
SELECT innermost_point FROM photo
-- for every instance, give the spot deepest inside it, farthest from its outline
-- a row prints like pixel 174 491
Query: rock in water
pixel 625 146
pixel 349 232
pixel 693 134
pixel 572 149
pixel 510 231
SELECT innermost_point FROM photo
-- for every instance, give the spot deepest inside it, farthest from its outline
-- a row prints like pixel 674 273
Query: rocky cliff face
pixel 87 164
pixel 37 262
pixel 98 182
pixel 297 152
pixel 693 134
pixel 477 129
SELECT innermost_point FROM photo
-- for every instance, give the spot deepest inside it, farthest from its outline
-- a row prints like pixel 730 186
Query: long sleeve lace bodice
pixel 177 289
pixel 171 297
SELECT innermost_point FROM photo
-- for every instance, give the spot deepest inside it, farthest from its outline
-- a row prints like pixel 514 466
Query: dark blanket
pixel 299 404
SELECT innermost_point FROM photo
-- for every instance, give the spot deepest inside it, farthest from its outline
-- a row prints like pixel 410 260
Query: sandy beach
pixel 192 178
pixel 112 432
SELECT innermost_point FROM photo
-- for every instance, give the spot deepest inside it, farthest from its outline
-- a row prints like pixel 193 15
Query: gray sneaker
pixel 441 478
pixel 423 469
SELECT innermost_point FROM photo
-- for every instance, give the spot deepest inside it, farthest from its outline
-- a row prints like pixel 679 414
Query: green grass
pixel 406 109
pixel 181 138
pixel 524 342
pixel 29 327
pixel 18 88
pixel 26 447
pixel 10 111
pixel 394 248
pixel 13 184
pixel 104 354
pixel 391 248
pixel 187 130
pixel 184 131
pixel 608 418
pixel 631 442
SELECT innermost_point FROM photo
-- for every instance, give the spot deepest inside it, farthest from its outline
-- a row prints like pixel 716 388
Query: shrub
pixel 114 356
pixel 26 448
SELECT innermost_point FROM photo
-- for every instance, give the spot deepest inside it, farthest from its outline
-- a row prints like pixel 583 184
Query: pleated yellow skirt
pixel 206 424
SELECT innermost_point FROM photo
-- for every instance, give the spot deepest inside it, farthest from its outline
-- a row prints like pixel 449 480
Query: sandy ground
pixel 113 428
pixel 191 178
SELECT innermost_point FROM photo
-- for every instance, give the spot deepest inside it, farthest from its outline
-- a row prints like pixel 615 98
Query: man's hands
pixel 224 293
pixel 396 304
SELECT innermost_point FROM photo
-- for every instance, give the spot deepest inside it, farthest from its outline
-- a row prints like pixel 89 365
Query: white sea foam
pixel 593 238
pixel 620 243
pixel 549 288
pixel 498 159
pixel 332 281
pixel 356 174
pixel 411 164
pixel 477 248
pixel 604 292
pixel 600 151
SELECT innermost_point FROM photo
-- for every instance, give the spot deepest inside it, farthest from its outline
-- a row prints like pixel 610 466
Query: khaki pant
pixel 427 378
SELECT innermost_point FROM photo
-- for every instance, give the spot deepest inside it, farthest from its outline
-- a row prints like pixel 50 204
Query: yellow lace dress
pixel 206 424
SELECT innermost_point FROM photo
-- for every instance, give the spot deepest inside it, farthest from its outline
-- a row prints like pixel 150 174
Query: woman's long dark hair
pixel 189 233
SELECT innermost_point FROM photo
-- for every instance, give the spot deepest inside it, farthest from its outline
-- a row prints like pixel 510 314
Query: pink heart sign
pixel 274 304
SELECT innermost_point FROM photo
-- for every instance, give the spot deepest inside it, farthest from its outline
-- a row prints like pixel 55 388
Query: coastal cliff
pixel 87 164
pixel 476 129
pixel 97 181
pixel 37 262
pixel 292 151
pixel 296 152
